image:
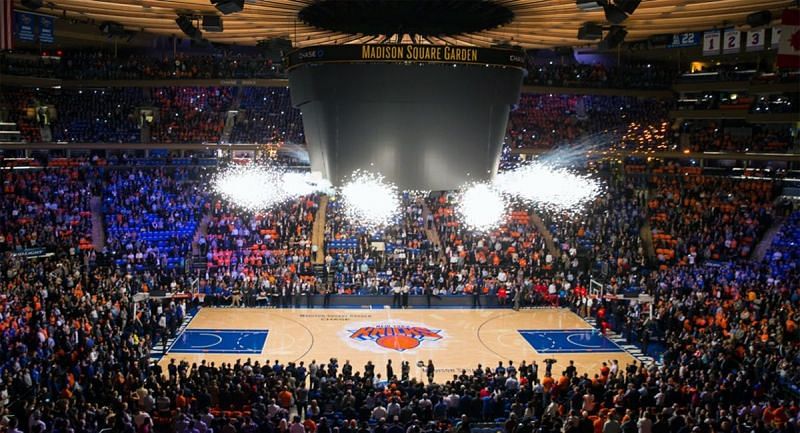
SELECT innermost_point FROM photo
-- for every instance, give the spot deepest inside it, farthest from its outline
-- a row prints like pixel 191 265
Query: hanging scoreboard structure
pixel 427 117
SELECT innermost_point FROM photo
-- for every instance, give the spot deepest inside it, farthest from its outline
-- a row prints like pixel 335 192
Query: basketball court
pixel 454 339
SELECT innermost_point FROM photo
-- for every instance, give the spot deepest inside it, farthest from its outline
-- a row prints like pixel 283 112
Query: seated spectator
pixel 266 115
pixel 151 216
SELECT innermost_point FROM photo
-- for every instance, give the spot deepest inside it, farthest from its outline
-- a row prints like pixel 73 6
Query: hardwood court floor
pixel 454 339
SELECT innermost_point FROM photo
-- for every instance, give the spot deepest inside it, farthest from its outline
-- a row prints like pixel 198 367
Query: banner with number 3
pixel 755 40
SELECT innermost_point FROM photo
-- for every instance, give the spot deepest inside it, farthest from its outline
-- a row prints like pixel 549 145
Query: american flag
pixel 6 25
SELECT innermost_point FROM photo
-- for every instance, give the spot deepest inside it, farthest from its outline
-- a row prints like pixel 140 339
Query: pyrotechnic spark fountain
pixel 252 187
pixel 256 187
pixel 541 184
pixel 481 207
pixel 369 200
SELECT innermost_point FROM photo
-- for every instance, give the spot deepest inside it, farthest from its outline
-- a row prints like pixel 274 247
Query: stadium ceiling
pixel 534 23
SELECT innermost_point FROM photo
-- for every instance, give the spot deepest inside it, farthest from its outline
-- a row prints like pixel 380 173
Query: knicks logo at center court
pixel 395 336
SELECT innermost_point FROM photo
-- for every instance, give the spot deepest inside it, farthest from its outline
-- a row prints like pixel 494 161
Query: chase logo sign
pixel 311 54
pixel 392 336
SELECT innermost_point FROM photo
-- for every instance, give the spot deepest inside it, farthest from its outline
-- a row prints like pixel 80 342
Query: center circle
pixel 397 342
pixel 397 17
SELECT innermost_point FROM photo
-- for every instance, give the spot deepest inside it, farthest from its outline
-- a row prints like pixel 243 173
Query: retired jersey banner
pixel 682 40
pixel 731 41
pixel 711 42
pixel 755 40
pixel 775 40
pixel 789 49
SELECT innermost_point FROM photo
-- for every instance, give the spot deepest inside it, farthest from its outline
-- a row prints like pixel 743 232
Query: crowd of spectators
pixel 75 345
pixel 606 235
pixel 172 114
pixel 258 258
pixel 151 216
pixel 266 115
pixel 18 105
pixel 785 103
pixel 630 76
pixel 547 121
pixel 512 263
pixel 99 65
pixel 717 136
pixel 397 258
pixel 68 334
pixel 190 114
pixel 783 255
pixel 46 209
pixel 97 115
pixel 696 218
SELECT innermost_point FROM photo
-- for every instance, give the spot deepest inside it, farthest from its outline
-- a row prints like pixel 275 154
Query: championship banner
pixel 32 27
pixel 755 40
pixel 711 42
pixel 789 49
pixel 380 53
pixel 46 29
pixel 732 41
pixel 24 24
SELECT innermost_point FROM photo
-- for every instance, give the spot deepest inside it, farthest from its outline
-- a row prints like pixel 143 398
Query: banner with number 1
pixel 711 42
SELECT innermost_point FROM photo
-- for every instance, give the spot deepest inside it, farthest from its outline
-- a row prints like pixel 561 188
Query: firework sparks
pixel 256 187
pixel 481 207
pixel 549 186
pixel 369 200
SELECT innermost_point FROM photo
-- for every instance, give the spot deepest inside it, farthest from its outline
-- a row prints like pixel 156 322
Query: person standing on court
pixel 428 294
pixel 396 289
pixel 405 370
pixel 389 370
pixel 405 294
pixel 430 370
pixel 326 302
pixel 476 296
pixel 307 291
pixel 237 296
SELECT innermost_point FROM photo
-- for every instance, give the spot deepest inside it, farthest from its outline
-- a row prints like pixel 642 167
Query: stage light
pixel 618 11
pixel 590 32
pixel 228 6
pixel 758 19
pixel 32 4
pixel 589 5
pixel 212 23
pixel 614 14
pixel 616 35
pixel 112 28
pixel 628 6
pixel 187 27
